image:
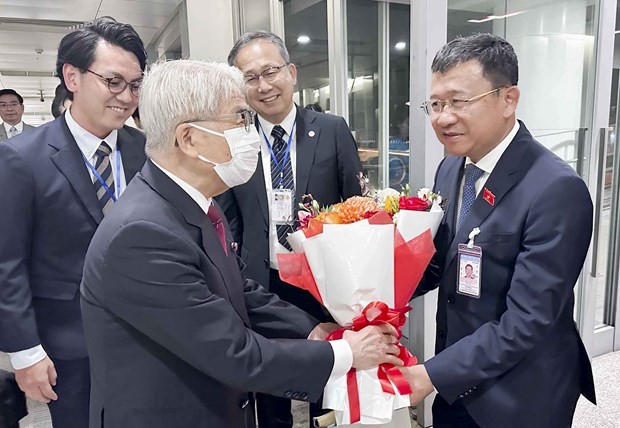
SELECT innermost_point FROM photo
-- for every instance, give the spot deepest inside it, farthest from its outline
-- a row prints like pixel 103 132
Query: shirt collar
pixel 287 123
pixel 87 142
pixel 19 127
pixel 203 202
pixel 488 162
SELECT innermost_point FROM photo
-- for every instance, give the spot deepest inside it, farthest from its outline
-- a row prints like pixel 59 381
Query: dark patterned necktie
pixel 218 225
pixel 472 174
pixel 103 166
pixel 281 176
pixel 13 132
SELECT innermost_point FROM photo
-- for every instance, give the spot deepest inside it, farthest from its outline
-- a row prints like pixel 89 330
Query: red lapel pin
pixel 488 196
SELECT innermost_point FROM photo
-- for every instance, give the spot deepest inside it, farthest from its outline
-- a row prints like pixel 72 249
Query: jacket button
pixel 244 403
pixel 304 396
pixel 450 298
pixel 266 232
pixel 234 246
pixel 288 394
pixel 441 334
pixel 267 263
pixel 296 395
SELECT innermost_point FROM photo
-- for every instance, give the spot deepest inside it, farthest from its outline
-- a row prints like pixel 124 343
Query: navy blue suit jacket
pixel 327 167
pixel 50 213
pixel 176 336
pixel 514 355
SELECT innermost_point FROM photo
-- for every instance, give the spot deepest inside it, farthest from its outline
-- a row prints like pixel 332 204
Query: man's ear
pixel 72 76
pixel 184 137
pixel 511 98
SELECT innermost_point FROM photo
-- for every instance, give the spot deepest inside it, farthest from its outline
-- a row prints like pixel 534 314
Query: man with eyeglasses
pixel 302 152
pixel 11 111
pixel 508 353
pixel 57 183
pixel 177 337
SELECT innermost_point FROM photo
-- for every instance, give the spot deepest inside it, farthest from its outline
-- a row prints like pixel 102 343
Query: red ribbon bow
pixel 376 313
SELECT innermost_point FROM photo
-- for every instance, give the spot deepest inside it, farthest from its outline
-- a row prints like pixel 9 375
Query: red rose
pixel 413 203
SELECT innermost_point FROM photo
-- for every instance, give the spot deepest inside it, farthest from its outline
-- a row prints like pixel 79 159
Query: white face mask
pixel 244 147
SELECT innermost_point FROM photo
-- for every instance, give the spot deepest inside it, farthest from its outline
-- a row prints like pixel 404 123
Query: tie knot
pixel 104 149
pixel 472 173
pixel 278 133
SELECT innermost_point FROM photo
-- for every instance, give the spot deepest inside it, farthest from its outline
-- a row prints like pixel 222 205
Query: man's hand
pixel 420 382
pixel 322 330
pixel 37 380
pixel 373 345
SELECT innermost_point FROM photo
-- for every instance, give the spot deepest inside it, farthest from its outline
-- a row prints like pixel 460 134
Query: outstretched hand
pixel 420 382
pixel 373 345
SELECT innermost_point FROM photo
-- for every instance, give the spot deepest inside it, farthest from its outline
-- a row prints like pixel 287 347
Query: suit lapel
pixel 306 143
pixel 2 132
pixel 508 171
pixel 132 155
pixel 258 183
pixel 196 217
pixel 70 162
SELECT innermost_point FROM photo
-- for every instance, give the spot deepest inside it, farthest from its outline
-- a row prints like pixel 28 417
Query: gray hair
pixel 248 38
pixel 181 91
pixel 496 56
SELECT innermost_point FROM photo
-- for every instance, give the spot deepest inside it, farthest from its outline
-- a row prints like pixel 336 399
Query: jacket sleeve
pixel 18 329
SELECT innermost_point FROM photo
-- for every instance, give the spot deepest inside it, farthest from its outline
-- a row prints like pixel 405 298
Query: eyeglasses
pixel 246 117
pixel 269 75
pixel 116 84
pixel 433 107
pixel 7 105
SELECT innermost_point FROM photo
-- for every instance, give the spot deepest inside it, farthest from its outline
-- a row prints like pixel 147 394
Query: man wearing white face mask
pixel 177 337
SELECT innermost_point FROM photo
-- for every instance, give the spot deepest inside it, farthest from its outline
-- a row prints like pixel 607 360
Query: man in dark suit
pixel 11 111
pixel 176 336
pixel 508 353
pixel 57 183
pixel 302 152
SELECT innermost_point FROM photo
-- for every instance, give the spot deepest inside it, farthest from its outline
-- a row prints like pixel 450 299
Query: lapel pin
pixel 311 133
pixel 488 196
pixel 234 246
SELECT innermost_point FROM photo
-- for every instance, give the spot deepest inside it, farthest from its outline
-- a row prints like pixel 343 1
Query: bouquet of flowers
pixel 353 260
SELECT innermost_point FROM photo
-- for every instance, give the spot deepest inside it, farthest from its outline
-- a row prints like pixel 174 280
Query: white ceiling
pixel 30 31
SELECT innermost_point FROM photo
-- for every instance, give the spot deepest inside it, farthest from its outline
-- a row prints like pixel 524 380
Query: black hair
pixel 314 107
pixel 248 38
pixel 496 56
pixel 78 47
pixel 12 92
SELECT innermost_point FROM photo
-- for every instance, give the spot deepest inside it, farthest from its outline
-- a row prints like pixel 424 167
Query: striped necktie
pixel 472 174
pixel 281 176
pixel 13 132
pixel 103 166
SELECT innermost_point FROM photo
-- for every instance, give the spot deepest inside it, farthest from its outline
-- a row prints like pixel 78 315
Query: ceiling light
pixel 494 17
pixel 400 46
pixel 303 39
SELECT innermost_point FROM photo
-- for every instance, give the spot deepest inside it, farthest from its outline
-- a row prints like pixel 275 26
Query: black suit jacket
pixel 514 355
pixel 176 336
pixel 327 167
pixel 50 212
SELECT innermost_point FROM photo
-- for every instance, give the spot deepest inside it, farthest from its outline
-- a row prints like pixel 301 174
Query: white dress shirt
pixel 487 164
pixel 343 356
pixel 88 144
pixel 19 127
pixel 265 126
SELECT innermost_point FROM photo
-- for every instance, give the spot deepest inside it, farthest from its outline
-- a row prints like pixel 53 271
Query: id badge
pixel 282 206
pixel 469 270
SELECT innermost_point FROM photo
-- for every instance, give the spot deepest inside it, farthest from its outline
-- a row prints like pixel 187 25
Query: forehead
pixel 460 79
pixel 8 98
pixel 114 59
pixel 235 104
pixel 257 55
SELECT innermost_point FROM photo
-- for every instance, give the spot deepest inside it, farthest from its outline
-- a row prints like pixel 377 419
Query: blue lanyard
pixel 287 154
pixel 117 178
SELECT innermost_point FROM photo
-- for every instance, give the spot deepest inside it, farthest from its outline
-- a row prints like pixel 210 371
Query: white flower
pixel 384 193
pixel 424 193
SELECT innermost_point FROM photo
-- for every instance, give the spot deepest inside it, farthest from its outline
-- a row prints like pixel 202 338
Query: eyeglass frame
pixel 133 89
pixel 265 74
pixel 14 104
pixel 428 109
pixel 246 115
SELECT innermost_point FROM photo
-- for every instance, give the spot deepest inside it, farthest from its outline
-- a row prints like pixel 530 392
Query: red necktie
pixel 218 225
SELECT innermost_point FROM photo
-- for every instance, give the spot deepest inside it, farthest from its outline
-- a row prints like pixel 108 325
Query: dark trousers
pixel 73 390
pixel 451 416
pixel 275 412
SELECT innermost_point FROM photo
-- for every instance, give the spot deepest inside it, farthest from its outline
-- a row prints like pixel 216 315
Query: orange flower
pixel 331 217
pixel 355 208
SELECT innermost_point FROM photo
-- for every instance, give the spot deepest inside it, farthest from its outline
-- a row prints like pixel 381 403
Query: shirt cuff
pixel 343 358
pixel 27 357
